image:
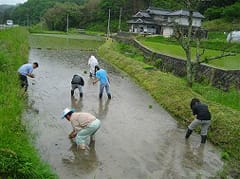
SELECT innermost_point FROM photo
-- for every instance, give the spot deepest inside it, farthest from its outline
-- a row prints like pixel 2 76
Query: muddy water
pixel 137 139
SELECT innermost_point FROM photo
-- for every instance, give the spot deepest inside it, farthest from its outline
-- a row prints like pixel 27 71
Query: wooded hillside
pixel 93 14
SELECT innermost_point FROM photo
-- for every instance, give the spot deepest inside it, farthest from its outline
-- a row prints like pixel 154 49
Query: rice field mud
pixel 137 140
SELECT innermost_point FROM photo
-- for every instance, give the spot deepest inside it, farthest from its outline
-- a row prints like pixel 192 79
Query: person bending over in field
pixel 203 118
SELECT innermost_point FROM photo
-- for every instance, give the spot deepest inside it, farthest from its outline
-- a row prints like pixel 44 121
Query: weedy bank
pixel 18 158
pixel 173 94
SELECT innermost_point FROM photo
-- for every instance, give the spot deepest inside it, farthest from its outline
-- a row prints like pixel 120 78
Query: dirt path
pixel 137 139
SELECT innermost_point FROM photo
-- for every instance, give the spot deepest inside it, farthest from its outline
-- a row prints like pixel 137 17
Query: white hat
pixel 66 111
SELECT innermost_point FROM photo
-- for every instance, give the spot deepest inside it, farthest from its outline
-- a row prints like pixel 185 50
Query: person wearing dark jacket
pixel 77 82
pixel 203 118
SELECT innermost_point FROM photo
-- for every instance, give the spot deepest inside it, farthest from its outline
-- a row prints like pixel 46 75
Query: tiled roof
pixel 142 14
pixel 185 13
pixel 158 11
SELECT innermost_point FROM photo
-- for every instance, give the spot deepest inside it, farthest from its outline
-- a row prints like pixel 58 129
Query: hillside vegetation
pixel 93 14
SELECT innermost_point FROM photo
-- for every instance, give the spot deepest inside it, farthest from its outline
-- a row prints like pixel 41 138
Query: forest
pixel 93 14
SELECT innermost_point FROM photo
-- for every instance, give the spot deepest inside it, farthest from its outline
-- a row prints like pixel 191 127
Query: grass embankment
pixel 173 94
pixel 64 41
pixel 18 158
pixel 213 47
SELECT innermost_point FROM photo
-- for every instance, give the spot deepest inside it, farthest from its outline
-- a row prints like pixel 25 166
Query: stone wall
pixel 223 79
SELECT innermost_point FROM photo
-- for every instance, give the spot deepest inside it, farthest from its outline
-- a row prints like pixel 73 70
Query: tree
pixel 186 38
pixel 56 17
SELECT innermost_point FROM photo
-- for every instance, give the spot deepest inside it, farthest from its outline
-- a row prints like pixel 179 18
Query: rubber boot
pixel 203 139
pixel 72 92
pixel 189 132
pixel 81 95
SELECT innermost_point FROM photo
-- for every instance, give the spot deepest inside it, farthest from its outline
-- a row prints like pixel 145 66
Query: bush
pixel 213 13
pixel 232 12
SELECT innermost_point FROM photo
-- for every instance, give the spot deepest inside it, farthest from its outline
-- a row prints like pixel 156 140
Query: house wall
pixel 159 19
pixel 184 21
pixel 135 28
pixel 197 22
pixel 167 31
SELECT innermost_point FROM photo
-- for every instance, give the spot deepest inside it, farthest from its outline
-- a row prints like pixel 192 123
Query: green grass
pixel 62 41
pixel 230 98
pixel 18 158
pixel 172 49
pixel 129 51
pixel 173 94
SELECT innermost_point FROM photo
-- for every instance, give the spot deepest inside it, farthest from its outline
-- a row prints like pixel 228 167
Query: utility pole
pixel 108 28
pixel 119 22
pixel 67 23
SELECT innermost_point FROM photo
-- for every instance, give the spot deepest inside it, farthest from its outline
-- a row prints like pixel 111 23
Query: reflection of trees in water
pixel 76 103
pixel 103 108
pixel 83 160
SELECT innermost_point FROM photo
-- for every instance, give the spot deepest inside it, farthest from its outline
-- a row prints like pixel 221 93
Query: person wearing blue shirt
pixel 26 71
pixel 101 75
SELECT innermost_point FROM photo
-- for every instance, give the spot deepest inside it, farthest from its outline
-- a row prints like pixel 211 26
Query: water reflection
pixel 76 103
pixel 193 155
pixel 85 161
pixel 103 108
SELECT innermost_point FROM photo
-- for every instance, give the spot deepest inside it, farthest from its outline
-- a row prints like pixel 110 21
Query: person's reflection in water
pixel 76 103
pixel 103 108
pixel 83 161
pixel 193 156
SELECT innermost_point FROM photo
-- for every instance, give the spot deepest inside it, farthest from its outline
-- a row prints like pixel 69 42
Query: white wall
pixel 184 21
pixel 167 31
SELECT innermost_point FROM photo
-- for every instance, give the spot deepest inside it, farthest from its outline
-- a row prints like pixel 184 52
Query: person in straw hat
pixel 84 125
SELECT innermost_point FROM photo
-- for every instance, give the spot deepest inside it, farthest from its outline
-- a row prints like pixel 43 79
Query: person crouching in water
pixel 77 82
pixel 26 71
pixel 203 118
pixel 84 125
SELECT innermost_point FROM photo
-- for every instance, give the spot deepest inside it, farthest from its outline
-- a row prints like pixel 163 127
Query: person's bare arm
pixel 72 134
pixel 95 81
pixel 31 75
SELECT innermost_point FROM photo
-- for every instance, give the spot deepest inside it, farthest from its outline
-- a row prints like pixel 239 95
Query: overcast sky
pixel 12 2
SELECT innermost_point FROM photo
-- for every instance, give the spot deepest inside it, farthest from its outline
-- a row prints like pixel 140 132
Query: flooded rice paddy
pixel 137 140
